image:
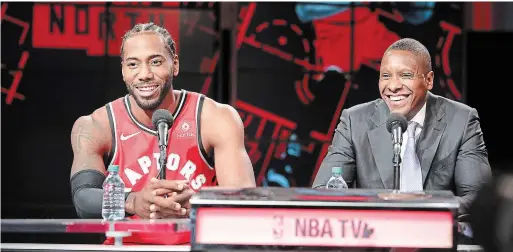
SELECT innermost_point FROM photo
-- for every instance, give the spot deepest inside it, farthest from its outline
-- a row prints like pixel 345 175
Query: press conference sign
pixel 324 228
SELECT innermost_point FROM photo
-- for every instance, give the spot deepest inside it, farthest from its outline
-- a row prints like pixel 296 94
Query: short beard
pixel 152 105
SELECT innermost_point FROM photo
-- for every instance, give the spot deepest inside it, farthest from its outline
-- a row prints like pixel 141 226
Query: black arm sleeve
pixel 87 193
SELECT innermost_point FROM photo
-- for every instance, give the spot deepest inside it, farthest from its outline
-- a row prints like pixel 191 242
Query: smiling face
pixel 148 69
pixel 404 82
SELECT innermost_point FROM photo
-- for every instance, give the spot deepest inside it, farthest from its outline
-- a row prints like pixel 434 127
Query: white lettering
pixel 173 160
pixel 132 176
pixel 157 156
pixel 145 164
pixel 198 181
pixel 188 169
pixel 187 134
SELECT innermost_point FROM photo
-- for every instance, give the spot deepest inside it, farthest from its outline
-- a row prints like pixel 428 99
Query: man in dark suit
pixel 443 148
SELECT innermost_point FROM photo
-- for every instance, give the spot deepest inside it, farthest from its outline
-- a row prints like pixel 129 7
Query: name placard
pixel 324 227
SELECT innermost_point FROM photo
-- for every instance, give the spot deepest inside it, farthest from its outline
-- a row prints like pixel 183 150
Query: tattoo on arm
pixel 87 140
pixel 83 136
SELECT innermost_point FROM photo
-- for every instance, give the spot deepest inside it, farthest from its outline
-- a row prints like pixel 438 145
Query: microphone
pixel 162 121
pixel 396 125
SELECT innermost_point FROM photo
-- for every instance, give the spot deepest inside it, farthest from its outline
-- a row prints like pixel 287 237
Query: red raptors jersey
pixel 135 149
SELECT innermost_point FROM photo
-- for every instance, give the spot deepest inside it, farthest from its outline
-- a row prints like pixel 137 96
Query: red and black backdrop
pixel 299 65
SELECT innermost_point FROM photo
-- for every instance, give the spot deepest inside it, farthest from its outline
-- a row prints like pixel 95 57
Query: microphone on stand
pixel 396 125
pixel 162 120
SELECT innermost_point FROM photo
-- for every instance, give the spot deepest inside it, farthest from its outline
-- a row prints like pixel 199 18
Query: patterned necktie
pixel 411 174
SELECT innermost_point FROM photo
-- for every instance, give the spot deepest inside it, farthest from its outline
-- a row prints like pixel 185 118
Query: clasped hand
pixel 151 202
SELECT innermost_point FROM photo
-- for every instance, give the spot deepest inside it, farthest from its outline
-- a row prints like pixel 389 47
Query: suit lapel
pixel 381 145
pixel 434 126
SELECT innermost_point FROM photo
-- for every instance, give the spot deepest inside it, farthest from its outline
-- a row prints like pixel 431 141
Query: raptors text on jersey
pixel 135 149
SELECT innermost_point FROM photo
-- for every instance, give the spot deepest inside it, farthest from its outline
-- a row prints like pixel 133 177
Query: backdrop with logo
pixel 299 65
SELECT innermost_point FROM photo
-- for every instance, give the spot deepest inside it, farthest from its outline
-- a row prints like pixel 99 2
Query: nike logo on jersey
pixel 123 138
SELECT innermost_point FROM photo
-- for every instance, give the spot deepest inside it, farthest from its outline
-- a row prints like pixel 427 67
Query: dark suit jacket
pixel 451 149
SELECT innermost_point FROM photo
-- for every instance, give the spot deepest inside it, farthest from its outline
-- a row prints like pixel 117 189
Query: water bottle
pixel 336 181
pixel 113 205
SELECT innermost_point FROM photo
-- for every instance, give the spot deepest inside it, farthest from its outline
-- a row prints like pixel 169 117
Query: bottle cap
pixel 113 168
pixel 337 170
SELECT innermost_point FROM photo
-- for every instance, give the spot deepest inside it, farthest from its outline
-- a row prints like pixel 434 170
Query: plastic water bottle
pixel 336 181
pixel 113 206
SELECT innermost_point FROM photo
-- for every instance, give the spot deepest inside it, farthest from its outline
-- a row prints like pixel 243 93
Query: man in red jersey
pixel 120 133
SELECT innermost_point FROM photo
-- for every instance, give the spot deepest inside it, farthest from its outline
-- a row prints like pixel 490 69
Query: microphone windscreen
pixel 162 115
pixel 396 118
